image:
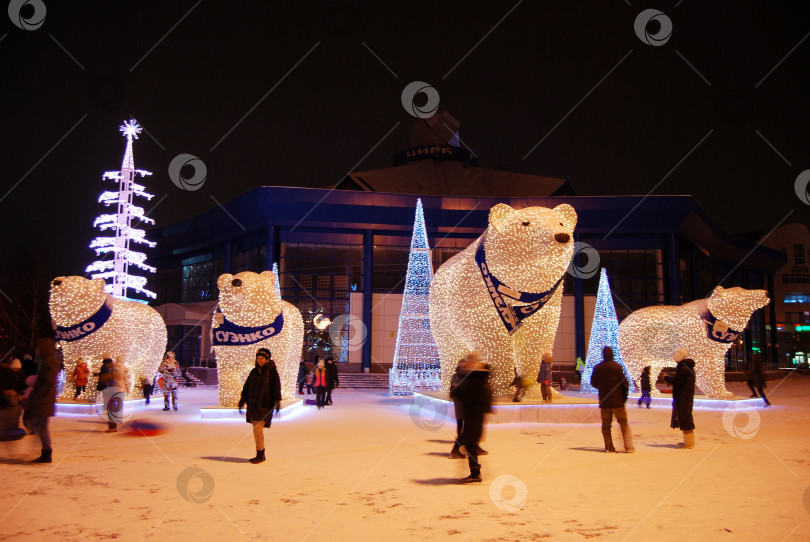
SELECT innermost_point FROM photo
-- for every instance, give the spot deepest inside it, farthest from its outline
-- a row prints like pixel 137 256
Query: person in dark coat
pixel 683 396
pixel 646 387
pixel 43 396
pixel 475 395
pixel 262 394
pixel 302 376
pixel 458 408
pixel 756 378
pixel 608 377
pixel 544 377
pixel 332 381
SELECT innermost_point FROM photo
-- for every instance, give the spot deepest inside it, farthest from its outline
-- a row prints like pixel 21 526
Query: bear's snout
pixel 56 283
pixel 562 237
pixel 236 283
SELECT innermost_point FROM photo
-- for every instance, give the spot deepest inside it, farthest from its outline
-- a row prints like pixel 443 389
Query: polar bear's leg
pixel 710 378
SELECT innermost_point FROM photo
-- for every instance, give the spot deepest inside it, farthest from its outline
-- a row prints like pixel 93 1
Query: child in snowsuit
pixel 646 388
pixel 544 377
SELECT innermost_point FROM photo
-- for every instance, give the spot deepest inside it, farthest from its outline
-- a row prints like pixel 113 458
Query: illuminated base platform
pixel 289 407
pixel 86 408
pixel 572 407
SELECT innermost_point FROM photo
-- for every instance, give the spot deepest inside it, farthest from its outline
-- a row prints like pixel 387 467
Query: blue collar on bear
pixel 512 317
pixel 229 334
pixel 85 328
pixel 720 333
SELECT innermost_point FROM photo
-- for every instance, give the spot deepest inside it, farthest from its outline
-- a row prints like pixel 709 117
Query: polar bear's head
pixel 734 306
pixel 530 249
pixel 74 299
pixel 249 299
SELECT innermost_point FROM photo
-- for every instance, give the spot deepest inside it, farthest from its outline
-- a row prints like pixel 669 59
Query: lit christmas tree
pixel 416 358
pixel 116 270
pixel 604 332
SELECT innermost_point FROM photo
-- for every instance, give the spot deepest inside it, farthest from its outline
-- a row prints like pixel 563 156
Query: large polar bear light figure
pixel 90 322
pixel 706 328
pixel 502 294
pixel 251 315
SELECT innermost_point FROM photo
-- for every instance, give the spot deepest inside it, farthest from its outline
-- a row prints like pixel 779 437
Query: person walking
pixel 608 377
pixel 262 394
pixel 475 395
pixel 544 377
pixel 646 388
pixel 521 385
pixel 756 378
pixel 169 372
pixel 302 376
pixel 332 381
pixel 458 408
pixel 41 401
pixel 81 374
pixel 580 368
pixel 683 396
pixel 320 382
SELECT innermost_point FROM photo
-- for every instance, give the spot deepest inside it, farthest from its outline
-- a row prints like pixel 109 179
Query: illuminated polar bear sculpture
pixel 251 315
pixel 90 322
pixel 502 294
pixel 706 328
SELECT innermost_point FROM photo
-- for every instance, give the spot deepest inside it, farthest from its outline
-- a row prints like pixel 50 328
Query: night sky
pixel 277 93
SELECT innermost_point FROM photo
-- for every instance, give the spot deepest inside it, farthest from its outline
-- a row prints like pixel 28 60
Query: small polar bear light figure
pixel 88 322
pixel 251 315
pixel 502 295
pixel 705 328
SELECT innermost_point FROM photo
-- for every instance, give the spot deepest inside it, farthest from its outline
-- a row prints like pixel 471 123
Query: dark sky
pixel 304 91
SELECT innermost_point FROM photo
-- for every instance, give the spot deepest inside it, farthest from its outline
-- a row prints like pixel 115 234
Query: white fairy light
pixel 117 269
pixel 705 328
pixel 528 251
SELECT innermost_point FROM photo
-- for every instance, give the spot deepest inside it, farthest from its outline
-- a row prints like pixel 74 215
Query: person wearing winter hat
pixel 262 394
pixel 608 377
pixel 683 396
pixel 475 395
pixel 544 377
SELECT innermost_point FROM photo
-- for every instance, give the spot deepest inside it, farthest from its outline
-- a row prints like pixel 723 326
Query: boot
pixel 688 439
pixel 259 457
pixel 174 404
pixel 45 457
pixel 475 476
pixel 608 441
pixel 165 403
pixel 455 453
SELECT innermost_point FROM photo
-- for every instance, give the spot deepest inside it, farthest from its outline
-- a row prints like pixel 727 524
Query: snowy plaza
pixel 375 467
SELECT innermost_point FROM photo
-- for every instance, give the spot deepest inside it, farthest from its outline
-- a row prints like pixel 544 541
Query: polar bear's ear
pixel 500 215
pixel 718 291
pixel 224 280
pixel 268 275
pixel 568 214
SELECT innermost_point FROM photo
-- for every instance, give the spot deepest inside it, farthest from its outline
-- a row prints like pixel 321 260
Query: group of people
pixel 321 380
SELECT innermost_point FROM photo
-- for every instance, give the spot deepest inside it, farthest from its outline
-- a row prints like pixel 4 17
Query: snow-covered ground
pixel 373 468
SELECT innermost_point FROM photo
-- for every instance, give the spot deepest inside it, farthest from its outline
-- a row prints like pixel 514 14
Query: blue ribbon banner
pixel 229 334
pixel 85 328
pixel 512 317
pixel 718 331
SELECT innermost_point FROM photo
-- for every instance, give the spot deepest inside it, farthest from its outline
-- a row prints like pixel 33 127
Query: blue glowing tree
pixel 416 358
pixel 604 332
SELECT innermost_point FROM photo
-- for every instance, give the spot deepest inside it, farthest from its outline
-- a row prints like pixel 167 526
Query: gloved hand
pixel 278 406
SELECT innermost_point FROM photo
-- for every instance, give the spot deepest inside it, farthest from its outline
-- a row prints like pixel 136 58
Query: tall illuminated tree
pixel 604 332
pixel 416 358
pixel 116 270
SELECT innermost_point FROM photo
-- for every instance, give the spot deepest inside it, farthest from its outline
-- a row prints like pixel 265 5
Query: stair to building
pixel 363 381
